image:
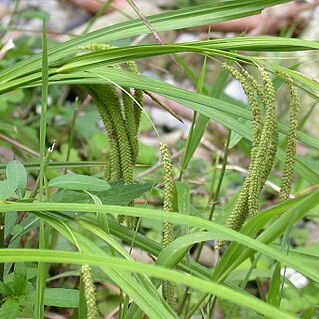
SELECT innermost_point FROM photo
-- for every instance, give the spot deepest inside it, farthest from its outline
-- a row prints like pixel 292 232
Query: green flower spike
pixel 121 116
pixel 265 141
pixel 114 167
pixel 240 211
pixel 285 187
pixel 107 99
pixel 168 288
pixel 89 292
pixel 130 122
pixel 168 192
pixel 266 153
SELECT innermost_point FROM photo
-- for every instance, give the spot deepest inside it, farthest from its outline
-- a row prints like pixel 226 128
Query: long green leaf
pixel 19 255
pixel 221 231
pixel 177 19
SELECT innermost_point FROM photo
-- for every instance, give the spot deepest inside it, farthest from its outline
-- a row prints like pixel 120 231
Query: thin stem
pixel 211 214
pixel 43 231
pixel 19 146
pixel 2 242
pixel 216 196
pixel 71 135
pixel 101 12
pixel 191 130
pixel 45 165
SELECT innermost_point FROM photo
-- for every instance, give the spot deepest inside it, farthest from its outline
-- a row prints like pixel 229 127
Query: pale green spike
pixel 265 155
pixel 114 157
pixel 289 165
pixel 89 292
pixel 130 123
pixel 168 288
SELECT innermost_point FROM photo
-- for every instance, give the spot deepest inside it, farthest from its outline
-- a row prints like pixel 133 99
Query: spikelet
pixel 109 105
pixel 114 158
pixel 168 192
pixel 269 96
pixel 125 151
pixel 240 211
pixel 169 293
pixel 266 152
pixel 265 141
pixel 89 292
pixel 285 186
pixel 121 116
pixel 113 105
pixel 130 122
pixel 168 288
pixel 249 91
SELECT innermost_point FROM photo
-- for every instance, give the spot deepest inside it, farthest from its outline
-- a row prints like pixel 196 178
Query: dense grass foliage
pixel 66 242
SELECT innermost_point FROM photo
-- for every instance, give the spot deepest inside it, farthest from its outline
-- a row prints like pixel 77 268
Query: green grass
pixel 72 220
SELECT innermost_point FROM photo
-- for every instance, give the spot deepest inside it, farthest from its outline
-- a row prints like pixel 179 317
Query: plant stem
pixel 71 134
pixel 214 203
pixel 43 232
pixel 220 181
pixel 2 229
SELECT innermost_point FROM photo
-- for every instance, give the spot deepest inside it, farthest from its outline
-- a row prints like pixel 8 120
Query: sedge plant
pixel 96 215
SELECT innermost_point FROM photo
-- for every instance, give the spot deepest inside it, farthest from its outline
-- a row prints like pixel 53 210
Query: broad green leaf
pixel 79 182
pixel 9 309
pixel 59 297
pixel 7 188
pixel 120 193
pixel 173 253
pixel 274 295
pixel 117 194
pixel 17 173
pixel 20 284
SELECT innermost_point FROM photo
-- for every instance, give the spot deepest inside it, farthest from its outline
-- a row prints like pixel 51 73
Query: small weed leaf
pixel 7 188
pixel 79 182
pixel 17 173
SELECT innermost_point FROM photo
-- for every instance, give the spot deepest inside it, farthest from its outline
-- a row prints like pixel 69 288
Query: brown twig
pixel 148 24
pixel 19 146
pixel 163 105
